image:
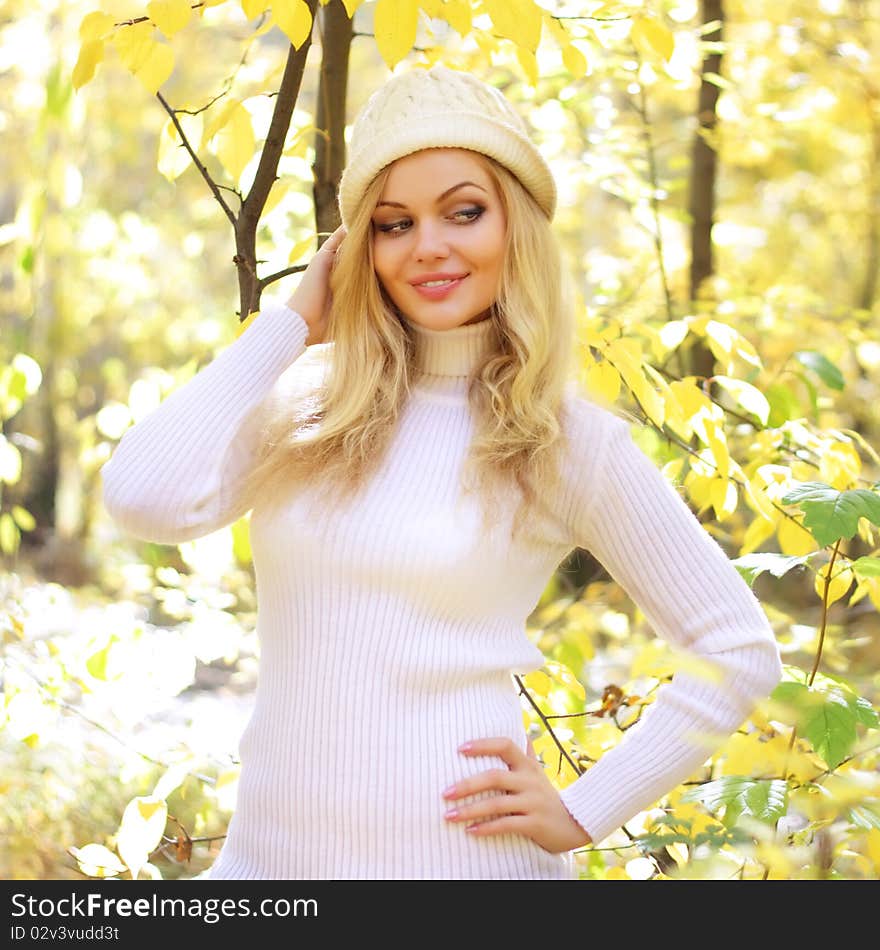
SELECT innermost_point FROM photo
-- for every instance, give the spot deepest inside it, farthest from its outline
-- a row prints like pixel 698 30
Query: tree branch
pixel 195 158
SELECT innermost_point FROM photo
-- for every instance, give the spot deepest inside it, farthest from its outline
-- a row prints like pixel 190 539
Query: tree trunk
pixel 330 116
pixel 703 179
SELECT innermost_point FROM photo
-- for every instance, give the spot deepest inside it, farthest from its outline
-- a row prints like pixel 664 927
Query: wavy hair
pixel 335 437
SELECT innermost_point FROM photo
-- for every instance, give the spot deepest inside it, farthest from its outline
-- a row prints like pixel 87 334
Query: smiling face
pixel 440 218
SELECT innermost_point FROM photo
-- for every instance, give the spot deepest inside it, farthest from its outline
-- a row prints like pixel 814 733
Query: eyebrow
pixel 446 194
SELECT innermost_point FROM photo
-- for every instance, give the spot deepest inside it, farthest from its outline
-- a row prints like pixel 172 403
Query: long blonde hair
pixel 335 438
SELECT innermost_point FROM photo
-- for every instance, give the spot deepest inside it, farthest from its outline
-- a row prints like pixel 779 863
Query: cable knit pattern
pixel 389 627
pixel 436 108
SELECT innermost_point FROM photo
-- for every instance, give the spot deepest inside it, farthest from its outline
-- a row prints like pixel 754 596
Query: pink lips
pixel 440 292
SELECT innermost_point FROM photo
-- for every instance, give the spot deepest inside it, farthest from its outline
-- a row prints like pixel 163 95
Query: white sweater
pixel 389 628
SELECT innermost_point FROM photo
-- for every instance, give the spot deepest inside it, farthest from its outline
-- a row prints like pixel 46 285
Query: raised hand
pixel 312 297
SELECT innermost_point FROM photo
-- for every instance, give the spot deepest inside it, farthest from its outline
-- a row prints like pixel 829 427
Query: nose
pixel 431 242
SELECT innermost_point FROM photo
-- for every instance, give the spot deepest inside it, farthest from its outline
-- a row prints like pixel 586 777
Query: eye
pixel 474 213
pixel 392 227
pixel 462 216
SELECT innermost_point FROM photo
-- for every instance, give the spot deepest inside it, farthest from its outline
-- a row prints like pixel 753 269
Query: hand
pixel 312 298
pixel 530 807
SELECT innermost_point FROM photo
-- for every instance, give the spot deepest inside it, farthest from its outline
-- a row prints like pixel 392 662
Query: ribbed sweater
pixel 390 627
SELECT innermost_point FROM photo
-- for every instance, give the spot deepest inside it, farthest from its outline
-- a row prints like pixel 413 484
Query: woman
pixel 411 496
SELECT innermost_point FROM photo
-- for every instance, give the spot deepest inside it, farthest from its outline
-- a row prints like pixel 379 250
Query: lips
pixel 438 291
pixel 432 277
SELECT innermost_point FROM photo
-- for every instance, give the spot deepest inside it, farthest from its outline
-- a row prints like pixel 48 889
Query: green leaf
pixel 763 799
pixel 812 392
pixel 867 566
pixel 822 367
pixel 784 405
pixel 826 713
pixel 830 514
pixel 751 566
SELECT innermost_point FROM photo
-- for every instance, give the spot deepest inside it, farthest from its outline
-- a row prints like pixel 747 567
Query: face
pixel 439 218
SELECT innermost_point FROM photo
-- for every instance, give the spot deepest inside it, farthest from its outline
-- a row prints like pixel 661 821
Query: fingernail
pixel 449 792
pixel 465 747
pixel 452 814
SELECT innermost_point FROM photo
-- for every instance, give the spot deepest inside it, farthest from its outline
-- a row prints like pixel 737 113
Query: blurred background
pixel 718 166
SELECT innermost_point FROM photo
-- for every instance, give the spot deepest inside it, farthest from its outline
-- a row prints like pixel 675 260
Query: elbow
pixel 144 517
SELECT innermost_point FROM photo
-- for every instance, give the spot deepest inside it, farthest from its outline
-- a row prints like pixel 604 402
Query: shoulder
pixel 588 426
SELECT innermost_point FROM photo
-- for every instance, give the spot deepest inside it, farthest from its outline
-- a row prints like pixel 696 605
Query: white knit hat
pixel 440 107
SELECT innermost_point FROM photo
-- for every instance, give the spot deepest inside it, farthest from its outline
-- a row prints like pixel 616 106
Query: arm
pixel 179 473
pixel 644 534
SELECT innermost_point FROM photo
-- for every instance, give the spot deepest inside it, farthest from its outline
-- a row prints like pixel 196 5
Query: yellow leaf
pixel 598 739
pixel 839 465
pixel 351 6
pixel 151 62
pixel 529 63
pixel 10 461
pixel 90 54
pixel 565 676
pixel 157 68
pixel 557 30
pixel 235 142
pixel 841 581
pixel 793 539
pixel 626 355
pixel 457 14
pixel 173 159
pixel 97 861
pixel 394 25
pixel 547 750
pixel 140 831
pixel 253 8
pixel 517 20
pixel 750 398
pixel 574 61
pixel 723 496
pixel 756 534
pixel 301 248
pixel 220 118
pixel 432 8
pixel 654 660
pixel 538 683
pixel 133 43
pixel 603 382
pixel 710 432
pixel 246 323
pixel 295 20
pixel 171 16
pixel 241 541
pixel 650 35
pixel 869 586
pixel 95 26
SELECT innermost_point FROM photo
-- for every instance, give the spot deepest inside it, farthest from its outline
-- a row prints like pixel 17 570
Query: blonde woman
pixel 413 484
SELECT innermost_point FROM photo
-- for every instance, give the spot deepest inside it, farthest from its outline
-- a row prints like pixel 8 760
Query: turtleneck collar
pixel 453 353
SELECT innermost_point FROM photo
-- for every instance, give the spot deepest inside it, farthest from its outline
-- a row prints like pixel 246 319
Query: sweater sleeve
pixel 179 473
pixel 627 514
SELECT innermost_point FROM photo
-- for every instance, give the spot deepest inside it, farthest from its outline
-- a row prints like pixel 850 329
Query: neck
pixel 454 353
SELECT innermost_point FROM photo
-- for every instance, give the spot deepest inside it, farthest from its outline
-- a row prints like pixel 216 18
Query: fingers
pixel 335 239
pixel 492 780
pixel 504 747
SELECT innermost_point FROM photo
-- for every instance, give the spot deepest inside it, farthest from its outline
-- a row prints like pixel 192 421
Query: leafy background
pixel 742 334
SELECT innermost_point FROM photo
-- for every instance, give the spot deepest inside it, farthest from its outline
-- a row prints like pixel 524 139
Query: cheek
pixel 385 262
